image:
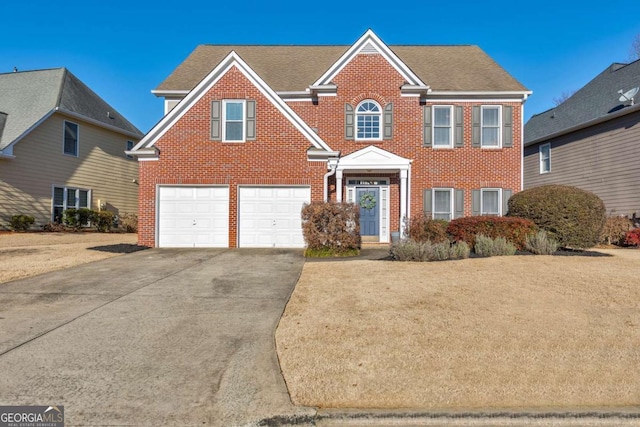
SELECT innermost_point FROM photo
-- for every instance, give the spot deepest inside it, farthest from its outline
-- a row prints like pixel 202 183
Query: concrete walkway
pixel 158 337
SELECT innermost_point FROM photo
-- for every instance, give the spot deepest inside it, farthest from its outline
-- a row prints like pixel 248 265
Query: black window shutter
pixel 506 195
pixel 507 126
pixel 216 135
pixel 426 202
pixel 426 124
pixel 475 203
pixel 475 123
pixel 388 121
pixel 459 204
pixel 251 120
pixel 459 127
pixel 348 122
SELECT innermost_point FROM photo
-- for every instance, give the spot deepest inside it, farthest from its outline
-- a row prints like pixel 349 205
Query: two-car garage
pixel 199 216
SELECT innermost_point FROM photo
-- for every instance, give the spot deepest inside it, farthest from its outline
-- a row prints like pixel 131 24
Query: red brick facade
pixel 278 155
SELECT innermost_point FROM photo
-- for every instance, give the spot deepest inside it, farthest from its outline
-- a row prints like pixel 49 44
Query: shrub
pixel 21 222
pixel 486 246
pixel 331 227
pixel 102 220
pixel 541 244
pixel 76 218
pixel 423 229
pixel 129 222
pixel 615 229
pixel 571 216
pixel 514 230
pixel 410 250
pixel 633 237
pixel 53 227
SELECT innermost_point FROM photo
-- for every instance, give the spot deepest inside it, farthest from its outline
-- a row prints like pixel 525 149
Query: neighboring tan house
pixel 62 146
pixel 251 133
pixel 591 141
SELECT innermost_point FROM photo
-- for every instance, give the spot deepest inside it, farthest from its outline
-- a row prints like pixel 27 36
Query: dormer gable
pixel 368 44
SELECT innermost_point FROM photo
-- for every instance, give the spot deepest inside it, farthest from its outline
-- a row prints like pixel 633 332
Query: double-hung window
pixel 368 116
pixel 490 202
pixel 66 198
pixel 490 125
pixel 545 158
pixel 70 142
pixel 234 120
pixel 442 203
pixel 442 135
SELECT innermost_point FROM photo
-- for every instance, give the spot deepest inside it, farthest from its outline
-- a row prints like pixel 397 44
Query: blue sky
pixel 123 50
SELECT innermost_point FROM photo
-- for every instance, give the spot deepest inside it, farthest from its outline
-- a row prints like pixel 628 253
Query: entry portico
pixel 369 161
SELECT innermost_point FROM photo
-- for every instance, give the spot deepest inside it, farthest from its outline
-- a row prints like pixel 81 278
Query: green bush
pixel 515 230
pixel 77 218
pixel 571 216
pixel 129 222
pixel 21 222
pixel 423 229
pixel 410 250
pixel 541 244
pixel 103 221
pixel 615 229
pixel 330 227
pixel 487 247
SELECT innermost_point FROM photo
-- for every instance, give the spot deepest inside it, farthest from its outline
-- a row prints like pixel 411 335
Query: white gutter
pixel 98 123
pixel 160 93
pixel 333 166
pixel 523 93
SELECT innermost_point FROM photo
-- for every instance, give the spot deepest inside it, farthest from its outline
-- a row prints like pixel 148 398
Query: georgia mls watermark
pixel 31 416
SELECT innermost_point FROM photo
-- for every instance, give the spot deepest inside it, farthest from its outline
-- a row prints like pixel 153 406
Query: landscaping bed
pixel 500 332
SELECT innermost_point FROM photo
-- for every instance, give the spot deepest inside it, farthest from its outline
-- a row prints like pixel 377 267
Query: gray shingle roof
pixel 26 97
pixel 596 100
pixel 294 68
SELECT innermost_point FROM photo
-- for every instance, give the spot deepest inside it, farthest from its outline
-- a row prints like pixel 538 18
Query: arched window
pixel 368 120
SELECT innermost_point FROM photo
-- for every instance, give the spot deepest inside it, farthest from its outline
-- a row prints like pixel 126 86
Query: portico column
pixel 403 199
pixel 339 186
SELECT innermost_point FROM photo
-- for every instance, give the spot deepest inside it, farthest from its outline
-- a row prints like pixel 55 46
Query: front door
pixel 369 200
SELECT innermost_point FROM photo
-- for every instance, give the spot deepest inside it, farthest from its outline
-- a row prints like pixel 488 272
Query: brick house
pixel 251 133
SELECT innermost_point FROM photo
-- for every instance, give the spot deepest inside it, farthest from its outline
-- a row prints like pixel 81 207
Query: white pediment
pixel 372 157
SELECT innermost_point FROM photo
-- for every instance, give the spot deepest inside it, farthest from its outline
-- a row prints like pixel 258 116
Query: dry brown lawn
pixel 503 332
pixel 29 254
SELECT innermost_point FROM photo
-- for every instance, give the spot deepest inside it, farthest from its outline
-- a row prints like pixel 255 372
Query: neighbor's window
pixel 65 198
pixel 490 126
pixel 545 158
pixel 368 116
pixel 129 147
pixel 442 206
pixel 234 120
pixel 442 126
pixel 70 145
pixel 490 201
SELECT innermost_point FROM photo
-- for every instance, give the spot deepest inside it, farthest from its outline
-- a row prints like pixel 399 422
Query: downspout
pixel 333 166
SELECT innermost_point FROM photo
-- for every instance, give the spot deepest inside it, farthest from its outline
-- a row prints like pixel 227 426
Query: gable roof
pixel 294 68
pixel 597 101
pixel 145 148
pixel 28 97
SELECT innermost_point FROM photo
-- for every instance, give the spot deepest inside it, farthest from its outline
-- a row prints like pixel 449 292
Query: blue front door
pixel 369 201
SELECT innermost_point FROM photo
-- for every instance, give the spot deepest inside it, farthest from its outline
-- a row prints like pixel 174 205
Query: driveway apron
pixel 157 337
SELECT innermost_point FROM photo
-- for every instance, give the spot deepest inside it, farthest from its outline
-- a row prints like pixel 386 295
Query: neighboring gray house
pixel 62 146
pixel 591 141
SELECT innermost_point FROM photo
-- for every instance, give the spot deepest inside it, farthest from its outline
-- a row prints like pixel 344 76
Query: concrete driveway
pixel 157 337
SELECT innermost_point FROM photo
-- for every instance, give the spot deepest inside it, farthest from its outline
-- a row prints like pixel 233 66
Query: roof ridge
pixel 31 71
pixel 61 87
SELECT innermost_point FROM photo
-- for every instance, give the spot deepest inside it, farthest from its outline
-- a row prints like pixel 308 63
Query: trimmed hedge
pixel 331 228
pixel 21 222
pixel 571 216
pixel 423 229
pixel 514 230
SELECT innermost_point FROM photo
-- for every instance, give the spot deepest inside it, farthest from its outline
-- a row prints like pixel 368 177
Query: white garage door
pixel 269 217
pixel 190 217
